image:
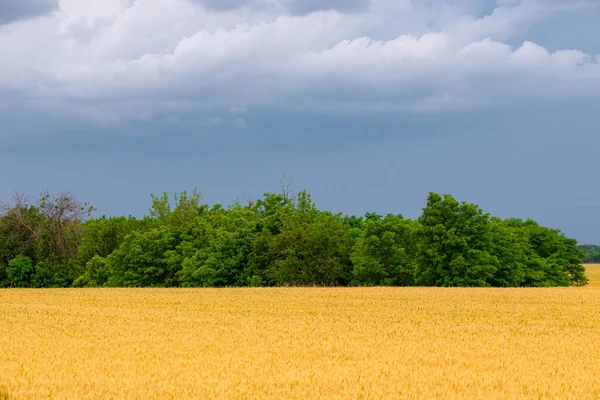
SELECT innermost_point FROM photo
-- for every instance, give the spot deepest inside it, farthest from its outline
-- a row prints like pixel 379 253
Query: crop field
pixel 348 343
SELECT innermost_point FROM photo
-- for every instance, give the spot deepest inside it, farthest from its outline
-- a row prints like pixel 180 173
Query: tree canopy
pixel 592 253
pixel 278 240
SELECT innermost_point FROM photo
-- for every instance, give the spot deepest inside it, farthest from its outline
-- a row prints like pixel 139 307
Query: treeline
pixel 591 253
pixel 277 240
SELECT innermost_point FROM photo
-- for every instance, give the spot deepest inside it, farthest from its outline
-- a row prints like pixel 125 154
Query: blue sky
pixel 369 105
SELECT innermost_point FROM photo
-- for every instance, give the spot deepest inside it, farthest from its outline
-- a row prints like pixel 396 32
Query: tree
pixel 52 226
pixel 268 214
pixel 215 250
pixel 281 239
pixel 592 253
pixel 140 260
pixel 21 271
pixel 511 248
pixel 300 245
pixel 21 229
pixel 104 235
pixel 455 241
pixel 178 217
pixel 48 233
pixel 385 252
pixel 96 273
pixel 555 259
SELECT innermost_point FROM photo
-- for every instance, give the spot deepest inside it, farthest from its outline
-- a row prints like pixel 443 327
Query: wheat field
pixel 301 343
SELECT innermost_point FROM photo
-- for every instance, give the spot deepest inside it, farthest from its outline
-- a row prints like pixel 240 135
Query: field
pixel 301 343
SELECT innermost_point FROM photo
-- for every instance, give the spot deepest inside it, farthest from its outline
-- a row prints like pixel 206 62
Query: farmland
pixel 301 342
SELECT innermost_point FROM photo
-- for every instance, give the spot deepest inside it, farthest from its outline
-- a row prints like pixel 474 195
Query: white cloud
pixel 109 60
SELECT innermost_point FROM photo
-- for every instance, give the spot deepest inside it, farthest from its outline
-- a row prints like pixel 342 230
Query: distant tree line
pixel 591 253
pixel 278 240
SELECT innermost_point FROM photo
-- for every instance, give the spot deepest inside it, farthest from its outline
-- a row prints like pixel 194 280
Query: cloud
pixel 307 6
pixel 240 123
pixel 109 61
pixel 213 121
pixel 14 10
pixel 298 7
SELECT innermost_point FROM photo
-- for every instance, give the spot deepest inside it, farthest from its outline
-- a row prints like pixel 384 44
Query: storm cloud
pixel 298 7
pixel 14 10
pixel 111 60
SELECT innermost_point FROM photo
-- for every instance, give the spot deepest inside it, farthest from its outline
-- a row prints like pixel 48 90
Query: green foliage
pixel 592 253
pixel 455 242
pixel 385 252
pixel 511 248
pixel 104 235
pixel 53 273
pixel 215 249
pixel 255 281
pixel 300 245
pixel 96 273
pixel 555 259
pixel 21 271
pixel 278 240
pixel 140 260
pixel 21 233
pixel 177 218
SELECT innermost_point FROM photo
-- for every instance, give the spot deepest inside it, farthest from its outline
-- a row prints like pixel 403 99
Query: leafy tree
pixel 54 273
pixel 21 271
pixel 48 233
pixel 21 229
pixel 592 253
pixel 178 217
pixel 96 273
pixel 300 245
pixel 511 248
pixel 556 260
pixel 215 250
pixel 455 241
pixel 385 252
pixel 104 235
pixel 148 257
pixel 268 214
pixel 140 260
pixel 281 239
pixel 4 280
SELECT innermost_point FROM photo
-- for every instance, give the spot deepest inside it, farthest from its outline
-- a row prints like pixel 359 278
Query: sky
pixel 367 104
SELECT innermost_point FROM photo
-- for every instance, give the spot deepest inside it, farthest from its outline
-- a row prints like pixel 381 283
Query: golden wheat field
pixel 301 343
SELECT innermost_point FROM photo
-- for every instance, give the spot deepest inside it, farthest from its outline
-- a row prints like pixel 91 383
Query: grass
pixel 301 343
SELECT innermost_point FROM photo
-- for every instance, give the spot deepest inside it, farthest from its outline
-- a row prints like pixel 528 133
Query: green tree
pixel 140 260
pixel 300 245
pixel 96 273
pixel 215 250
pixel 455 242
pixel 104 235
pixel 592 253
pixel 48 233
pixel 148 256
pixel 281 239
pixel 385 252
pixel 511 248
pixel 555 259
pixel 21 272
pixel 180 215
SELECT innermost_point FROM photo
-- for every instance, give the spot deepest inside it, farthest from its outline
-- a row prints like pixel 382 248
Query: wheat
pixel 301 343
